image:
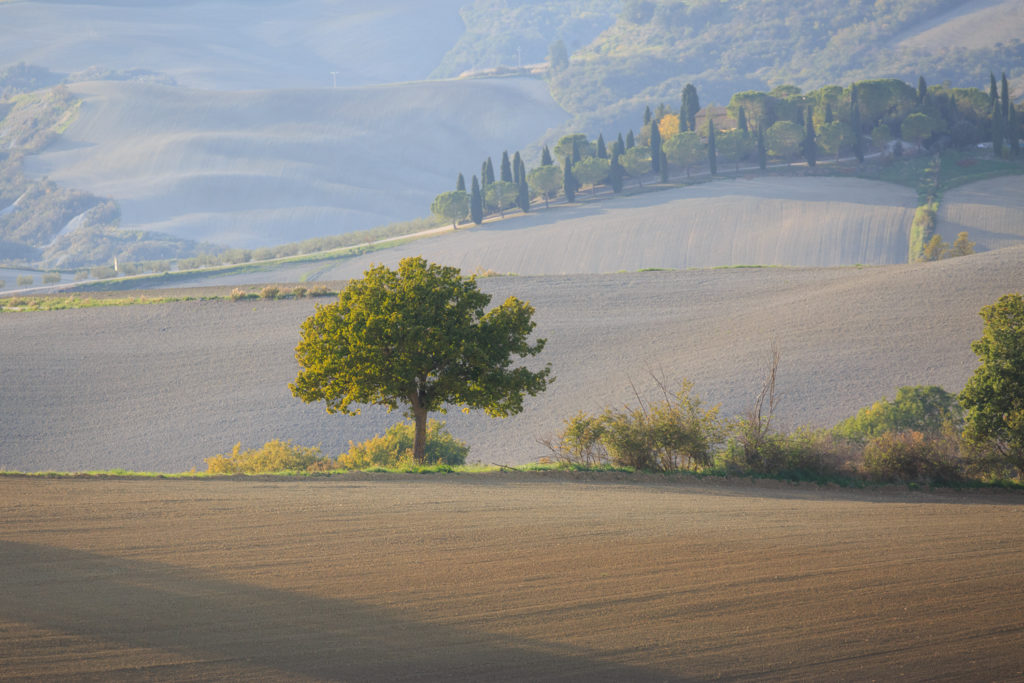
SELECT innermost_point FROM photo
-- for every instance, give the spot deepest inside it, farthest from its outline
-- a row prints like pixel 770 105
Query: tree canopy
pixel 994 395
pixel 418 336
pixel 451 206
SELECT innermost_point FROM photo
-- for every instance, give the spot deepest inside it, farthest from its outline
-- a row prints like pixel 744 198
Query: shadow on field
pixel 223 626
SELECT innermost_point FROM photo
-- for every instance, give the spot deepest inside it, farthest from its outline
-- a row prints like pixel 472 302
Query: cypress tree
pixel 615 172
pixel 762 152
pixel 993 91
pixel 682 119
pixel 691 105
pixel 483 175
pixel 545 157
pixel 516 176
pixel 810 143
pixel 663 166
pixel 655 147
pixel 1006 98
pixel 1013 131
pixel 712 155
pixel 997 129
pixel 476 203
pixel 647 115
pixel 630 140
pixel 741 121
pixel 522 169
pixel 460 184
pixel 858 137
pixel 490 172
pixel 523 200
pixel 922 89
pixel 620 145
pixel 568 181
pixel 602 151
pixel 506 167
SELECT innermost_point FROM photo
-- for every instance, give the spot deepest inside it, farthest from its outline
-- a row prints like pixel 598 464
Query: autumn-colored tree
pixel 418 336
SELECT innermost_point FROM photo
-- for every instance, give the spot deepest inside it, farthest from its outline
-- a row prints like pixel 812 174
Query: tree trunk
pixel 419 444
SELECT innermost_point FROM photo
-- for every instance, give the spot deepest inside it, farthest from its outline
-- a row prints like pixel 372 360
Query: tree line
pixel 886 117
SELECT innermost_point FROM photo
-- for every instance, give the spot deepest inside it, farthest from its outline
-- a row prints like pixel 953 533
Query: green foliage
pixel 476 203
pixel 922 229
pixel 684 149
pixel 911 456
pixel 502 195
pixel 783 139
pixel 395 448
pixel 803 454
pixel 994 396
pixel 273 456
pixel 451 206
pixel 51 278
pixel 925 409
pixel 25 280
pixel 545 181
pixel 591 171
pixel 418 336
pixel 636 162
pixel 672 434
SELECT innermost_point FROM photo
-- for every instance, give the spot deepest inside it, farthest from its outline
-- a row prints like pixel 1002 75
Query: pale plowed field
pixel 506 577
pixel 991 211
pixel 161 387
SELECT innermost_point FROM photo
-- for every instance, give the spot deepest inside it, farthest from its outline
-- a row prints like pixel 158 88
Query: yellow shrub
pixel 274 456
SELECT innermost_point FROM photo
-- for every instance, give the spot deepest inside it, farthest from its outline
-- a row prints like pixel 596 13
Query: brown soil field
pixel 161 387
pixel 506 577
pixel 991 211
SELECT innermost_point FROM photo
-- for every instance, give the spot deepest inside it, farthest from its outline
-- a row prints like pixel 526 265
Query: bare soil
pixel 506 577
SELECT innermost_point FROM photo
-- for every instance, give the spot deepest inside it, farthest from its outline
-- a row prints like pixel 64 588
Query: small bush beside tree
pixel 395 448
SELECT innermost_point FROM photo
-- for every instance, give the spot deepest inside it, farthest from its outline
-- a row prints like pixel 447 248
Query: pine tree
pixel 630 140
pixel 922 89
pixel 647 115
pixel 506 167
pixel 545 157
pixel 602 151
pixel 616 172
pixel 569 181
pixel 691 105
pixel 576 154
pixel 810 143
pixel 517 177
pixel 858 134
pixel 655 147
pixel 1006 98
pixel 460 184
pixel 476 203
pixel 762 151
pixel 712 155
pixel 620 145
pixel 741 121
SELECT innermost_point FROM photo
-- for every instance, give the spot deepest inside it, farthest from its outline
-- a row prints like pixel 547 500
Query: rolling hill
pixel 161 387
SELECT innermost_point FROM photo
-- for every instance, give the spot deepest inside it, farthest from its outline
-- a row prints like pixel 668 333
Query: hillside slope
pixel 233 44
pixel 991 211
pixel 163 386
pixel 249 169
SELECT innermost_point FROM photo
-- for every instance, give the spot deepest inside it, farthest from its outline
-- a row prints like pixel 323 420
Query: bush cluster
pixel 392 450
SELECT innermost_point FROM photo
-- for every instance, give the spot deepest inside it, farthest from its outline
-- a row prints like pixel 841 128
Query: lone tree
pixel 994 396
pixel 418 336
pixel 451 206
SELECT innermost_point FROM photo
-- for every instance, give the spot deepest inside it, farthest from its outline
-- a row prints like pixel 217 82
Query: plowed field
pixel 505 577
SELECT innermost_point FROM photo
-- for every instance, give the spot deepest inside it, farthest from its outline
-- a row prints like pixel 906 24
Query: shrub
pixel 911 456
pixel 676 433
pixel 274 456
pixel 803 454
pixel 239 294
pixel 320 290
pixel 299 292
pixel 81 275
pixel 922 409
pixel 25 280
pixel 270 292
pixel 51 278
pixel 394 448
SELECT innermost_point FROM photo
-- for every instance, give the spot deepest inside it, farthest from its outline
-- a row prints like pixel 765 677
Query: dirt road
pixel 504 577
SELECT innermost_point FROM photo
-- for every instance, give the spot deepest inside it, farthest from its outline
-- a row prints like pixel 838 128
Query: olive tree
pixel 418 336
